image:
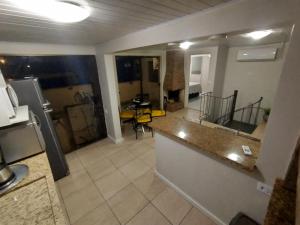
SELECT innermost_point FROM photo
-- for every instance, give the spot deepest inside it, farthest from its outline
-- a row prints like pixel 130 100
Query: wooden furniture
pixel 174 106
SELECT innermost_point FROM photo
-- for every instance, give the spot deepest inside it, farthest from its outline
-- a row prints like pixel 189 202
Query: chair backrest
pixel 165 103
pixel 143 109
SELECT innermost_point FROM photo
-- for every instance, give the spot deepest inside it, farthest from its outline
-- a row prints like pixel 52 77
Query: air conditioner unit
pixel 257 54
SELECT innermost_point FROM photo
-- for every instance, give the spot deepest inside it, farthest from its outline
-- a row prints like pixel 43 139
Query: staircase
pixel 221 110
pixel 213 108
pixel 245 119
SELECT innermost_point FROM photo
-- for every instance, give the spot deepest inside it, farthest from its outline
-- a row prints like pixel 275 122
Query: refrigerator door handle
pixel 46 104
pixel 37 126
pixel 48 110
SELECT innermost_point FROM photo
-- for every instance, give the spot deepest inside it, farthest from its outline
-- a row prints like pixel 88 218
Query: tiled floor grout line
pixel 107 156
pixel 185 215
pixel 105 201
pixel 131 182
pixel 160 211
pixel 65 209
pixel 149 201
pixel 137 213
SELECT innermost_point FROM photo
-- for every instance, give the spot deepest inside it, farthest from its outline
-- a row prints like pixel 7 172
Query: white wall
pixel 253 79
pixel 29 49
pixel 284 122
pixel 211 184
pixel 196 64
pixel 205 78
pixel 220 70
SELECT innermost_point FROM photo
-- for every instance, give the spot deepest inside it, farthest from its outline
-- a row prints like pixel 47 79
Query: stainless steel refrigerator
pixel 29 93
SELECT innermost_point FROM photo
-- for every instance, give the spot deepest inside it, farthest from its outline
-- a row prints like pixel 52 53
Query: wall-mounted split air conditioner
pixel 257 54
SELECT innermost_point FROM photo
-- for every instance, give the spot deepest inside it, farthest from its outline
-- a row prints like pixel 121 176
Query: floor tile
pixel 150 185
pixel 74 162
pixel 150 141
pixel 70 156
pixel 110 150
pixel 102 215
pixel 90 156
pixel 74 182
pixel 195 217
pixel 111 184
pixel 100 169
pixel 149 216
pixel 139 149
pixel 127 203
pixel 81 202
pixel 172 205
pixel 149 158
pixel 134 169
pixel 121 158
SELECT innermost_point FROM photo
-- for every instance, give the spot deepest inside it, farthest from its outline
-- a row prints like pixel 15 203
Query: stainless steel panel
pixel 37 127
pixel 20 143
pixel 29 93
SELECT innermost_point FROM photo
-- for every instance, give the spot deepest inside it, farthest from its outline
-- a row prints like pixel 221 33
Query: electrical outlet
pixel 264 188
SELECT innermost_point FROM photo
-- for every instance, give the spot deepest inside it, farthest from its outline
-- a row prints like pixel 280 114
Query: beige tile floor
pixel 113 184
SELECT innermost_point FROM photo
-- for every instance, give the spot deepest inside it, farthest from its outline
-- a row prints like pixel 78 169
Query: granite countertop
pixel 282 205
pixel 34 200
pixel 218 142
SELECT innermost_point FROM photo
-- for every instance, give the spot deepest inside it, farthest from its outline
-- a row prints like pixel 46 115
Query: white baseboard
pixel 116 141
pixel 192 201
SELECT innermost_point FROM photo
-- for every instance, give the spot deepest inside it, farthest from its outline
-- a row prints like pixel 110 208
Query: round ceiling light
pixel 58 11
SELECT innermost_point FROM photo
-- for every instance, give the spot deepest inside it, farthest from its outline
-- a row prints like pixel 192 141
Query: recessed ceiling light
pixel 256 35
pixel 58 11
pixel 185 45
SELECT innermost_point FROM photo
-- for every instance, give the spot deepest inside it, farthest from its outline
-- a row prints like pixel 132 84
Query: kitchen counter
pixel 282 205
pixel 34 200
pixel 218 142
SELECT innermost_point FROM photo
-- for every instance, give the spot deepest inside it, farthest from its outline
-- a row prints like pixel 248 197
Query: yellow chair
pixel 159 112
pixel 127 115
pixel 142 119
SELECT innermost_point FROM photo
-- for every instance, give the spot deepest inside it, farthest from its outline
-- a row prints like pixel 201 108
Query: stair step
pixel 241 126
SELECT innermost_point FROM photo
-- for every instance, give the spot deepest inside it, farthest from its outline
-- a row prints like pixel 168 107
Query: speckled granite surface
pixel 34 200
pixel 220 143
pixel 282 206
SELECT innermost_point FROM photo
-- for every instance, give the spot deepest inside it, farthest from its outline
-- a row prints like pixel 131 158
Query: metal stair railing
pixel 213 107
pixel 248 114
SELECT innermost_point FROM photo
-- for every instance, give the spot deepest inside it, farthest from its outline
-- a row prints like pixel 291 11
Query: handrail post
pixel 235 93
pixel 257 110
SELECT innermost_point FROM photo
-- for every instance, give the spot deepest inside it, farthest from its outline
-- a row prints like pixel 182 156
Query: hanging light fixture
pixel 58 11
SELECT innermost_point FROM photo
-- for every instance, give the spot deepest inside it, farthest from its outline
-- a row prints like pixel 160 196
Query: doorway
pixel 198 79
pixel 138 77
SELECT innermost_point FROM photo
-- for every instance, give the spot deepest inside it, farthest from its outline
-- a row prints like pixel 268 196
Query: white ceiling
pixel 109 19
